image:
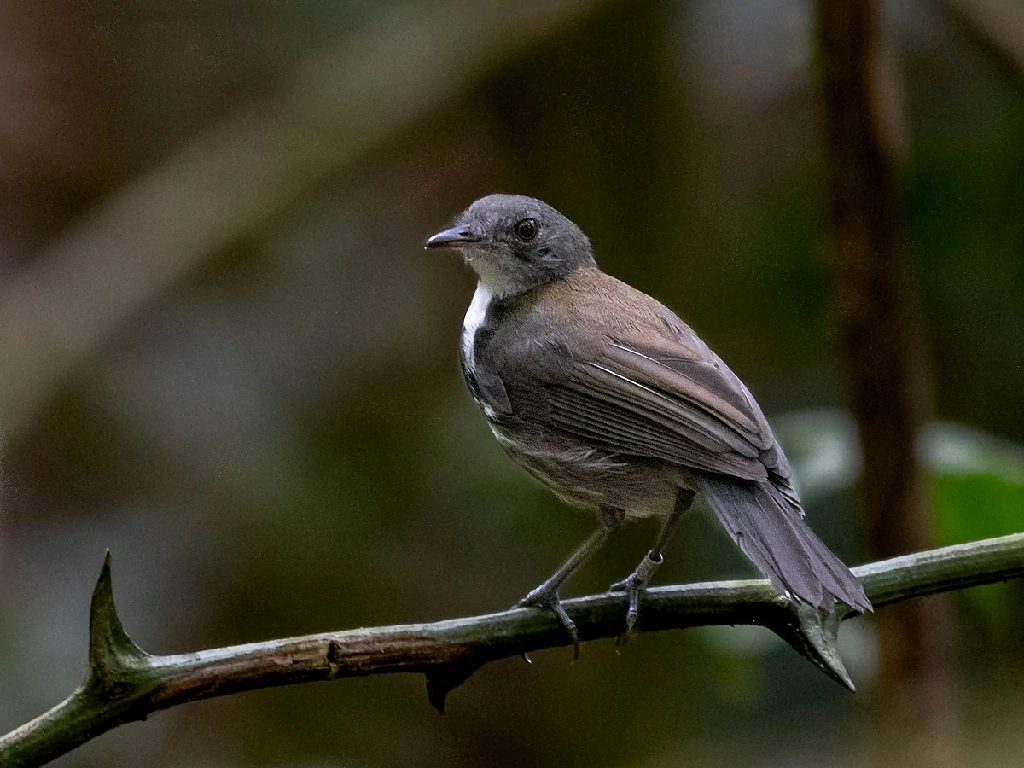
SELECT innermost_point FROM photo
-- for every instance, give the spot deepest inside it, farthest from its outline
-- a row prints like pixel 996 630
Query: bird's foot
pixel 546 596
pixel 633 585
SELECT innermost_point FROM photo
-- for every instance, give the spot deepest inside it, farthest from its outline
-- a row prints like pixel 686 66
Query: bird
pixel 609 399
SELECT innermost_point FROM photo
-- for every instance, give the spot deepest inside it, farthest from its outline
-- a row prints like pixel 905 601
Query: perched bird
pixel 609 399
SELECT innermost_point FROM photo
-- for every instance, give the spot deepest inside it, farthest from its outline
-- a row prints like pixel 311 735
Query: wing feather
pixel 645 402
pixel 591 357
pixel 623 430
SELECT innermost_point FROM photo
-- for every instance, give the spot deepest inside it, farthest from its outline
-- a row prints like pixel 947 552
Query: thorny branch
pixel 124 683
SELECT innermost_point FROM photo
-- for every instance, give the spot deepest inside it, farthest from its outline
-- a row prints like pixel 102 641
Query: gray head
pixel 516 243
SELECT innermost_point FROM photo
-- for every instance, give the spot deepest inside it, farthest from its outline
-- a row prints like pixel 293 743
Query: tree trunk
pixel 884 364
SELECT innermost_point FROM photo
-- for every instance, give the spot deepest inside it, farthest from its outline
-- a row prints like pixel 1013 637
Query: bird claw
pixel 542 597
pixel 634 585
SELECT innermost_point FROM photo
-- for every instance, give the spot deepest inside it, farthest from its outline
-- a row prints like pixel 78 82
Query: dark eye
pixel 526 229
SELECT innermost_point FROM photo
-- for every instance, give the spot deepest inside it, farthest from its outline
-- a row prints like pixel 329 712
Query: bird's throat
pixel 475 317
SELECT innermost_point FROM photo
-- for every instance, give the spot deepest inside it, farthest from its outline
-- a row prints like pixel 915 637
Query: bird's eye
pixel 526 229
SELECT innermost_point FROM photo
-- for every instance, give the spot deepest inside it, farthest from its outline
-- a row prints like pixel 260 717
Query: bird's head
pixel 516 243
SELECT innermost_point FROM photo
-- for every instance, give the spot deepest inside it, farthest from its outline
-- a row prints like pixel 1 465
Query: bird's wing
pixel 597 359
pixel 663 401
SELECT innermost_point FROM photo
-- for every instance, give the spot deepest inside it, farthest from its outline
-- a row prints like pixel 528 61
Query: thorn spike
pixel 110 647
pixel 444 679
pixel 814 634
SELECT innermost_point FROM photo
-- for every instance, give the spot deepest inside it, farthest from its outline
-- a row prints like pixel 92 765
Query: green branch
pixel 124 683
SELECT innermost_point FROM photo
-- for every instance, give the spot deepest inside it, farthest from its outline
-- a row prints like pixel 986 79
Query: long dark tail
pixel 770 529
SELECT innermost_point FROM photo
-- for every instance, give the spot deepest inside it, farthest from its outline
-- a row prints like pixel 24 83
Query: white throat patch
pixel 475 316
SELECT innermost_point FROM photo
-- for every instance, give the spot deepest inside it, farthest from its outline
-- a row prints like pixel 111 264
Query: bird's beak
pixel 452 238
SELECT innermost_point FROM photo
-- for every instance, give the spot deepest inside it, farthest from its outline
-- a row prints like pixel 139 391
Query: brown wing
pixel 595 358
pixel 664 403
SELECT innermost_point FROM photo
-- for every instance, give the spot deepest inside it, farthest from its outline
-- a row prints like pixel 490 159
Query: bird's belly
pixel 586 476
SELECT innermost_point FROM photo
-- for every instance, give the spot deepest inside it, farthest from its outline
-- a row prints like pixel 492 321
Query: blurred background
pixel 225 356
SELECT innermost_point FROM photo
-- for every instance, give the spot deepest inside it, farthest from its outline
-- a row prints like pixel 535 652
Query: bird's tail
pixel 770 529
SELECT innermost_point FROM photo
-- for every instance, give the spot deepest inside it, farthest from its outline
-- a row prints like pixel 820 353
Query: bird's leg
pixel 637 581
pixel 546 595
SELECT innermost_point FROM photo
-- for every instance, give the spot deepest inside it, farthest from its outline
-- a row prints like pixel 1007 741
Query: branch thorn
pixel 111 650
pixel 444 679
pixel 815 634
